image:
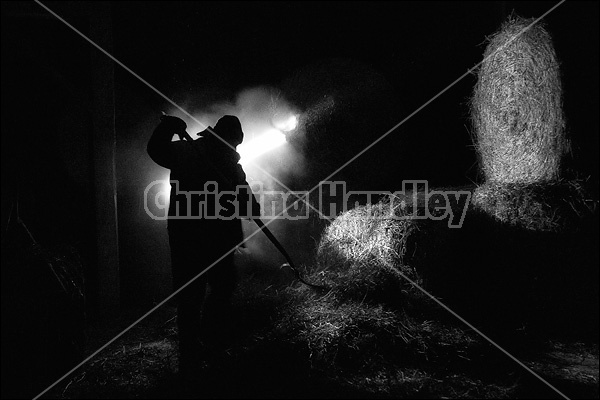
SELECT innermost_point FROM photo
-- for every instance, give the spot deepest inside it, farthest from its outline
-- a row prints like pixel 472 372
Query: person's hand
pixel 173 123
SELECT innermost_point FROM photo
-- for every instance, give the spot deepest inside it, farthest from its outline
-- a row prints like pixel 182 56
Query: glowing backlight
pixel 286 124
pixel 266 142
pixel 164 192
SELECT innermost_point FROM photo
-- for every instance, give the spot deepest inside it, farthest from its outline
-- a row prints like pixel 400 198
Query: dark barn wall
pixel 46 161
pixel 46 125
pixel 144 248
pixel 104 144
pixel 46 122
pixel 57 128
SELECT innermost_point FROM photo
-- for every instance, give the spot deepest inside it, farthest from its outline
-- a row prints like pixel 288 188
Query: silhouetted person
pixel 196 243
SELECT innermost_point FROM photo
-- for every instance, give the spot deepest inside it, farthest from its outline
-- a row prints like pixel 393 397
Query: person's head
pixel 229 128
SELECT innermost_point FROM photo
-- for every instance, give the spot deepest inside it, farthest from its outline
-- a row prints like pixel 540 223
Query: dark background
pixel 380 61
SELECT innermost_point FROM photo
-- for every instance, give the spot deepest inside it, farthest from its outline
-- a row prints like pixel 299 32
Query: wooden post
pixel 104 147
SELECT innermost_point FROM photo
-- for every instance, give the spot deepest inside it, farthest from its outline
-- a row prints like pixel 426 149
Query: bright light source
pixel 164 191
pixel 266 142
pixel 286 124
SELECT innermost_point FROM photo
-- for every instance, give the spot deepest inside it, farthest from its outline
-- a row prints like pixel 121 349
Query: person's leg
pixel 189 318
pixel 185 266
pixel 217 318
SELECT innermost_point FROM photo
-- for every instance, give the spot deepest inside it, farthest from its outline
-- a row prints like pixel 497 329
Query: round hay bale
pixel 516 107
pixel 362 250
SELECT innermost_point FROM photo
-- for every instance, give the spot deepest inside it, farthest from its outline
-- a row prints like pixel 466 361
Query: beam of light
pixel 264 143
pixel 286 124
pixel 164 191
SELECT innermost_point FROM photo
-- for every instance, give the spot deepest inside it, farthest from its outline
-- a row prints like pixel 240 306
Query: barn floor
pixel 143 364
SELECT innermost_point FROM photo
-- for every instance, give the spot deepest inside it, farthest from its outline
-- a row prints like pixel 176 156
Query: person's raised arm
pixel 160 148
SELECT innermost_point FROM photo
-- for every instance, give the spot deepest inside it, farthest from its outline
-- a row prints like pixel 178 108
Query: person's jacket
pixel 192 165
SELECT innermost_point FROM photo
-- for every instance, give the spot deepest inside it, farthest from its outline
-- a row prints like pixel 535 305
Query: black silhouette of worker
pixel 207 167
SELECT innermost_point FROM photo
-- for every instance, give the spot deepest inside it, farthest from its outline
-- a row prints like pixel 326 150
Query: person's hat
pixel 229 128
